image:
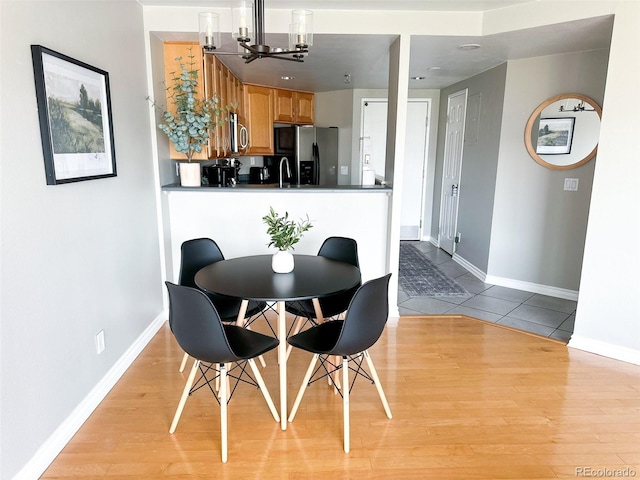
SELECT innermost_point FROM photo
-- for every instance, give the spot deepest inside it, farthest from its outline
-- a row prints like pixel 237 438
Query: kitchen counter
pixel 274 187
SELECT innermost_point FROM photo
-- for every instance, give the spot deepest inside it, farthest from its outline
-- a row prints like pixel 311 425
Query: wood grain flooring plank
pixel 470 400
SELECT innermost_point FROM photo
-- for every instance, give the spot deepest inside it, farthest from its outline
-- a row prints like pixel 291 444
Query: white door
pixel 415 164
pixel 454 137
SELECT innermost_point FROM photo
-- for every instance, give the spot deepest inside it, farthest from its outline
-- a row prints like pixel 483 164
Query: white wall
pixel 240 230
pixel 538 229
pixel 608 315
pixel 76 258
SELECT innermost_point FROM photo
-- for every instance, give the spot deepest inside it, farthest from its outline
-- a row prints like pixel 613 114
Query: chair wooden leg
pixel 184 362
pixel 262 362
pixel 296 329
pixel 185 394
pixel 240 321
pixel 263 389
pixel 345 403
pixel 223 411
pixel 376 380
pixel 303 387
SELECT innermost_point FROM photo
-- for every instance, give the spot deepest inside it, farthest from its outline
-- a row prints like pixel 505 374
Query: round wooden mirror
pixel 563 131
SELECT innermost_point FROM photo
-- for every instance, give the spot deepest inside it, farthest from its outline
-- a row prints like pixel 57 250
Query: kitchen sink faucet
pixel 284 160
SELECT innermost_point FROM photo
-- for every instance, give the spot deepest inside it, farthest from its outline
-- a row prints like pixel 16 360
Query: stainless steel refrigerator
pixel 316 155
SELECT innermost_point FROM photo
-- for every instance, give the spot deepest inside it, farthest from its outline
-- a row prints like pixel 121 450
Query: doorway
pixel 373 151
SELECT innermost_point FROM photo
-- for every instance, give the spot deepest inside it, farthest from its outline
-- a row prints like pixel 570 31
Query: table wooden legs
pixel 282 363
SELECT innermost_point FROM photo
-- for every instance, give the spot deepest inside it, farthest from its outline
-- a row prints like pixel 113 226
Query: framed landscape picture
pixel 74 109
pixel 555 136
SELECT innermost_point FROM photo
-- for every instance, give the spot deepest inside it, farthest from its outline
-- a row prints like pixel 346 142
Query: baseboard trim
pixel 533 287
pixel 471 268
pixel 50 449
pixel 517 284
pixel 604 349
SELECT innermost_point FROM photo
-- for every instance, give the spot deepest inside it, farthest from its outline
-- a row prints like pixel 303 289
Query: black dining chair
pixel 350 339
pixel 341 249
pixel 198 253
pixel 199 331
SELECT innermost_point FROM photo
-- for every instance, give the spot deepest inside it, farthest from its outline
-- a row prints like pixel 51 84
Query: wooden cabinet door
pixel 223 95
pixel 293 107
pixel 304 108
pixel 185 50
pixel 259 119
pixel 284 110
pixel 212 87
pixel 240 97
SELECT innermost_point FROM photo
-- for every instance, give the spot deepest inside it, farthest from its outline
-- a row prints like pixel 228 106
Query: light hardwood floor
pixel 470 400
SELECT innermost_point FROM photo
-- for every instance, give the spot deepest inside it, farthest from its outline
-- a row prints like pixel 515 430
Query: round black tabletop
pixel 251 278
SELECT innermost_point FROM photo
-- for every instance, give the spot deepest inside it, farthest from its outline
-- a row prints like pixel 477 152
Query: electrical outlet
pixel 344 170
pixel 253 160
pixel 100 346
pixel 571 184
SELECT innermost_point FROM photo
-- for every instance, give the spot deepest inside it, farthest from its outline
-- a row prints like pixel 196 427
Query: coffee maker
pixel 222 174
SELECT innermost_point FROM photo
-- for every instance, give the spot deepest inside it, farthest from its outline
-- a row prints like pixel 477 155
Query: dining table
pixel 252 278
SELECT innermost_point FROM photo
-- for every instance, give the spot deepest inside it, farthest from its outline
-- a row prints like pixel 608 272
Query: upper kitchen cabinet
pixel 190 55
pixel 221 82
pixel 293 107
pixel 258 113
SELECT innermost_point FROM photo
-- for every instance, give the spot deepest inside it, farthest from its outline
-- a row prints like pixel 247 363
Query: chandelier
pixel 247 28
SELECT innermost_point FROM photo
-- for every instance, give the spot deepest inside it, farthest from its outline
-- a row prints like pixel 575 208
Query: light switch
pixel 571 184
pixel 344 170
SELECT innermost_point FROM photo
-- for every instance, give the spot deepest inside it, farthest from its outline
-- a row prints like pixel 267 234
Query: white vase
pixel 190 174
pixel 282 262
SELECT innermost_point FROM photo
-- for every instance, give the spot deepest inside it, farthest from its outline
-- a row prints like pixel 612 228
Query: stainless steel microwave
pixel 238 134
pixel 284 140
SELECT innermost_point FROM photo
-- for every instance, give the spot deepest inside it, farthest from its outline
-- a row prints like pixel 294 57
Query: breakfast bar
pixel 232 216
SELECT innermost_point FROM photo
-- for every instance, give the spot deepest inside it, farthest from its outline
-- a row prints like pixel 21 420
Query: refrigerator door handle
pixel 316 164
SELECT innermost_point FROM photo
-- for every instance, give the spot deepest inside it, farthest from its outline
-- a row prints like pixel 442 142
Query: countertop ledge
pixel 175 187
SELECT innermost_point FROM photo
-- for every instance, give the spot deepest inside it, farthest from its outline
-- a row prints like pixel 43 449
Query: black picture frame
pixel 74 110
pixel 555 136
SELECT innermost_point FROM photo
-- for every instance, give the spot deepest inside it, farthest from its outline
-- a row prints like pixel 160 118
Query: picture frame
pixel 74 110
pixel 555 135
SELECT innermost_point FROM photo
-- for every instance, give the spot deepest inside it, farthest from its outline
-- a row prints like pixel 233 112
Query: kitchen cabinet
pixel 221 82
pixel 258 107
pixel 293 107
pixel 258 112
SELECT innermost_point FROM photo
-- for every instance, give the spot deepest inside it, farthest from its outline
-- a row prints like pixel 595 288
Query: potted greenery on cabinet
pixel 189 124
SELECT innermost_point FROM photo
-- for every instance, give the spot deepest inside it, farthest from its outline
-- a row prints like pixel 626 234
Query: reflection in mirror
pixel 563 131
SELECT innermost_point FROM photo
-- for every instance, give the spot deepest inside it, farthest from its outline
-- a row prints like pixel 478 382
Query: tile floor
pixel 548 316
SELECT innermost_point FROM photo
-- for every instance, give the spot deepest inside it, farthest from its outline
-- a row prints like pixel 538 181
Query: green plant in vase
pixel 188 125
pixel 284 233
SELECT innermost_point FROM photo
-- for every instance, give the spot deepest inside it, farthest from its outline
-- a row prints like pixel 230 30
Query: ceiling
pixel 436 58
pixel 416 5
